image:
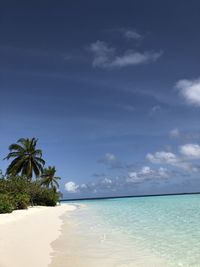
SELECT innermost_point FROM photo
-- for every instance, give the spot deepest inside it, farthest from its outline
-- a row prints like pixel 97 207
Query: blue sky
pixel 111 89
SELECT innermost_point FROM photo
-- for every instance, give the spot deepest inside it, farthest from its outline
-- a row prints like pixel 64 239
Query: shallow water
pixel 151 231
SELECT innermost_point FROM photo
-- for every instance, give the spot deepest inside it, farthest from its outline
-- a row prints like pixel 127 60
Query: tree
pixel 27 159
pixel 1 174
pixel 49 179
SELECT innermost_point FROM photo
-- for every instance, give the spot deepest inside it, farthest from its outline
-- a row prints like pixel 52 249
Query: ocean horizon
pixel 129 196
pixel 153 231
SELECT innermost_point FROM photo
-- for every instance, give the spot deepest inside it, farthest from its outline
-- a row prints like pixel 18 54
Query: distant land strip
pixel 129 196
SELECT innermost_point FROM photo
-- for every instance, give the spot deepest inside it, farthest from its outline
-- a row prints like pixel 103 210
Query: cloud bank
pixel 186 159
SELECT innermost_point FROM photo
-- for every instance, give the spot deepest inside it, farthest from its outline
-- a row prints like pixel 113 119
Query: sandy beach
pixel 26 235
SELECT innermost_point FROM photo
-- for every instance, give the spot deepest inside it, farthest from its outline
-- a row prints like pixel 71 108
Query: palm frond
pixel 16 147
pixel 22 141
pixel 38 152
pixel 13 155
pixel 56 183
pixel 40 160
pixel 36 169
pixel 57 178
pixel 15 165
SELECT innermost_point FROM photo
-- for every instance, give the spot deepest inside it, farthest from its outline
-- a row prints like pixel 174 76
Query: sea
pixel 158 231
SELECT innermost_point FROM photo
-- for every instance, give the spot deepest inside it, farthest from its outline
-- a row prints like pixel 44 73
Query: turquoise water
pixel 168 227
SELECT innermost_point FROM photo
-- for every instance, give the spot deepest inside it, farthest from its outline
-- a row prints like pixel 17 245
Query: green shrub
pixel 6 205
pixel 45 197
pixel 21 201
pixel 16 189
pixel 18 193
pixel 17 185
pixel 3 186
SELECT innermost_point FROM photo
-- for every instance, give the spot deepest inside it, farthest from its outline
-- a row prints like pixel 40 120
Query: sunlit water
pixel 165 228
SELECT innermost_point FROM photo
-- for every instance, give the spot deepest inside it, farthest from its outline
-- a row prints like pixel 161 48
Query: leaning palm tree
pixel 49 179
pixel 27 159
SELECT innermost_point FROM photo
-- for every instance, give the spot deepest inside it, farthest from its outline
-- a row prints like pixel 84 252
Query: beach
pixel 130 232
pixel 26 235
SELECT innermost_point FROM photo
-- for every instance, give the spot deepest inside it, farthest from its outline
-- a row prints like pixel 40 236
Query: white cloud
pixel 71 187
pixel 132 177
pixel 146 170
pixel 131 34
pixel 190 150
pixel 147 174
pixel 102 53
pixel 133 174
pixel 105 56
pixel 174 133
pixel 162 157
pixel 190 91
pixel 134 58
pixel 106 181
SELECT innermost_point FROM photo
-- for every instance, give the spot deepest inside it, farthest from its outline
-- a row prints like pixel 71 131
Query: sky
pixel 110 88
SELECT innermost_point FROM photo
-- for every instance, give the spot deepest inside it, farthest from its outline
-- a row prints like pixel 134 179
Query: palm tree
pixel 27 159
pixel 49 179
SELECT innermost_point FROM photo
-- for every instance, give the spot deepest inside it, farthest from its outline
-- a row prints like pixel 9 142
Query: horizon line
pixel 131 196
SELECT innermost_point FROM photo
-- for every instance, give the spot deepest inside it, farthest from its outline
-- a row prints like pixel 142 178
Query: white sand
pixel 26 235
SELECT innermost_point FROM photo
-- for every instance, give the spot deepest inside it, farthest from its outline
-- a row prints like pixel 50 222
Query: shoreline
pixel 27 235
pixel 87 242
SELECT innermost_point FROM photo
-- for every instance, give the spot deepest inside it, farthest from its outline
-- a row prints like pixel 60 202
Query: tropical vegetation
pixel 27 182
pixel 49 180
pixel 27 158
